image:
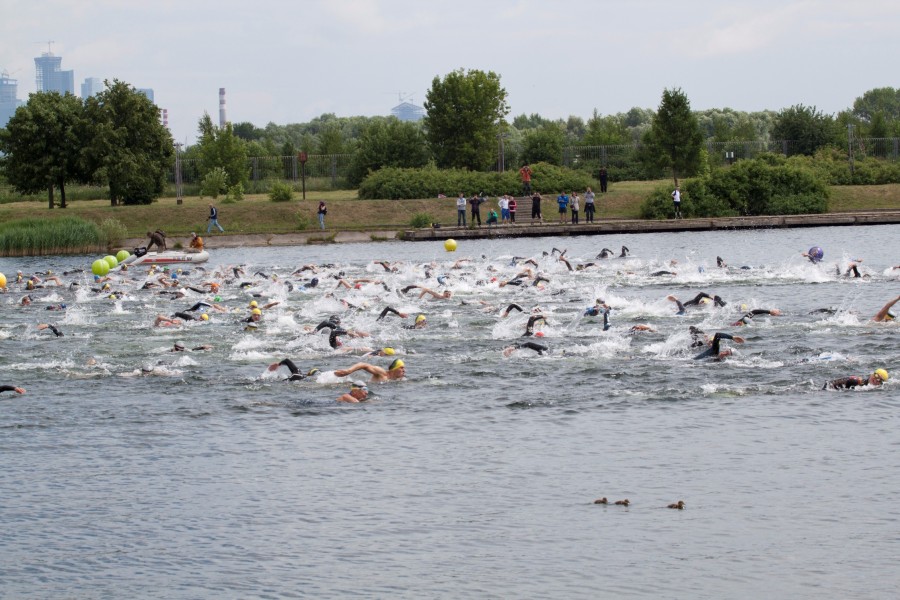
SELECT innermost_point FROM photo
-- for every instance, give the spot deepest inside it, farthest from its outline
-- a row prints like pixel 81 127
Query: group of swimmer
pixel 176 284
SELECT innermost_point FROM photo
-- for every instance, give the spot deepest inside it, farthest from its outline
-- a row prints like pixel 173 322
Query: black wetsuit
pixel 605 253
pixel 332 338
pixel 713 350
pixel 745 320
pixel 56 331
pixel 7 388
pixel 846 383
pixel 385 312
pixel 199 305
pixel 529 328
pixel 296 375
pixel 330 324
pixel 512 306
pixel 703 295
pixel 539 348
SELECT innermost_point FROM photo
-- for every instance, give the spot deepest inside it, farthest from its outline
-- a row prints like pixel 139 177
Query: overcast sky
pixel 289 61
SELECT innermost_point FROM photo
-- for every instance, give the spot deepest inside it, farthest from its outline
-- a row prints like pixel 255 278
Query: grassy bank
pixel 257 214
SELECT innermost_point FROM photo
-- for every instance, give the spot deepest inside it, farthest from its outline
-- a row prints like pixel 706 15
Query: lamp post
pixel 502 159
pixel 179 185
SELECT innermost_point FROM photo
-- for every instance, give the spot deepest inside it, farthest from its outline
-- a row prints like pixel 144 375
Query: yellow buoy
pixel 2 280
pixel 450 245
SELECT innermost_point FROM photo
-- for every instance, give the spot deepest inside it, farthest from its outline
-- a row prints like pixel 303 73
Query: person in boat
pixel 196 244
pixel 157 237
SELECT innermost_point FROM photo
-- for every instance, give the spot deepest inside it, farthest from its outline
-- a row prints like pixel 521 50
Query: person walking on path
pixel 461 210
pixel 213 219
pixel 323 210
pixel 589 206
pixel 676 201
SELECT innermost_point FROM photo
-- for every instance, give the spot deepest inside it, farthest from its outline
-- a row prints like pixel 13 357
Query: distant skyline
pixel 290 61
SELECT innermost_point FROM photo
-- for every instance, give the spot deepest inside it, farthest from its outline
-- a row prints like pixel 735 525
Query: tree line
pixel 116 138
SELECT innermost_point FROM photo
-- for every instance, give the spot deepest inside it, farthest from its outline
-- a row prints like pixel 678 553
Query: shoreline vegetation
pixel 53 232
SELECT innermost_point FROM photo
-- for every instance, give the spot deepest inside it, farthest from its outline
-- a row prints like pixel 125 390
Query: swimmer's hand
pixel 738 339
pixel 274 366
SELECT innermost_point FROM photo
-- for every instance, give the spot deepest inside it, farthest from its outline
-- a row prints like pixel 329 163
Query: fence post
pixel 333 171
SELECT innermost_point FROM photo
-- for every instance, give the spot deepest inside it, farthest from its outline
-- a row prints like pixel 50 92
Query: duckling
pixel 624 502
pixel 678 505
pixel 602 500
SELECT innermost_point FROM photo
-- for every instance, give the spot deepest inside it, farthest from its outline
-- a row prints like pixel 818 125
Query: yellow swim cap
pixel 388 351
pixel 256 311
pixel 420 318
pixel 253 304
pixel 396 364
pixel 882 374
pixel 205 317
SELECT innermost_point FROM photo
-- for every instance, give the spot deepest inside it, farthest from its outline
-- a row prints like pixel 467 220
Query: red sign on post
pixel 302 157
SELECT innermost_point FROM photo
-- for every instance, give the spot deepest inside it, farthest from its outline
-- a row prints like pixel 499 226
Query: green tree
pixel 248 131
pixel 126 145
pixel 219 147
pixel 884 100
pixel 605 131
pixel 42 146
pixel 544 145
pixel 331 139
pixel 388 143
pixel 464 111
pixel 674 140
pixel 805 128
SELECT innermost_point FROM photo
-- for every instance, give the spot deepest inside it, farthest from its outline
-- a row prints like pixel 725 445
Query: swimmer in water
pixel 388 310
pixel 396 371
pixel 532 321
pixel 747 318
pixel 56 332
pixel 164 321
pixel 359 392
pixel 539 348
pixel 12 388
pixel 600 308
pixel 434 295
pixel 714 352
pixel 296 375
pixel 885 313
pixel 846 383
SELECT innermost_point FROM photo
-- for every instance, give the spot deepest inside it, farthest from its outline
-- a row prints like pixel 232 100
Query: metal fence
pixel 322 171
pixel 330 171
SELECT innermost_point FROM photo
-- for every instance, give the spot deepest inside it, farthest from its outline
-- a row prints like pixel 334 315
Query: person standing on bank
pixel 213 219
pixel 676 201
pixel 321 213
pixel 589 206
pixel 525 174
pixel 475 203
pixel 603 179
pixel 576 206
pixel 461 210
pixel 512 209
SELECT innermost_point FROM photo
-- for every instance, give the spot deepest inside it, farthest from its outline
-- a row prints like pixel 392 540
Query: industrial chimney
pixel 222 119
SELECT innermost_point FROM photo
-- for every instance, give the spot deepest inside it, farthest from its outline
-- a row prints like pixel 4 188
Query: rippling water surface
pixel 212 477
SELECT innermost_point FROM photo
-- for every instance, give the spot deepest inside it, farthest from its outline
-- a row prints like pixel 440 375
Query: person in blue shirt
pixel 563 201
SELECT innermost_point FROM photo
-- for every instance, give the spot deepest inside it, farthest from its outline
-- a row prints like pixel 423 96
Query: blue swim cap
pixel 62 305
pixel 816 254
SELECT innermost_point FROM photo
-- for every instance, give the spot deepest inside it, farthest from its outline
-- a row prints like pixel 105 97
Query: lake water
pixel 211 477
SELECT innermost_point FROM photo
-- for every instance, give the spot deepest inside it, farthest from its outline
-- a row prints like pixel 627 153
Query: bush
pixel 37 237
pixel 281 192
pixel 235 194
pixel 303 220
pixel 113 232
pixel 767 185
pixel 214 183
pixel 428 182
pixel 421 220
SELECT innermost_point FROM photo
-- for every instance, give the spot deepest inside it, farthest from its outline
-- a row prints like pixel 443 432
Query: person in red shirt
pixel 525 174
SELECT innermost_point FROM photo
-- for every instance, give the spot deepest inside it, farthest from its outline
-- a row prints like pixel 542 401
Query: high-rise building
pixel 50 77
pixel 9 89
pixel 147 92
pixel 91 87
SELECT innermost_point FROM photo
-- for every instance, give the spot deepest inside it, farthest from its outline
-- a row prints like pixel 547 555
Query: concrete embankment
pixel 548 228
